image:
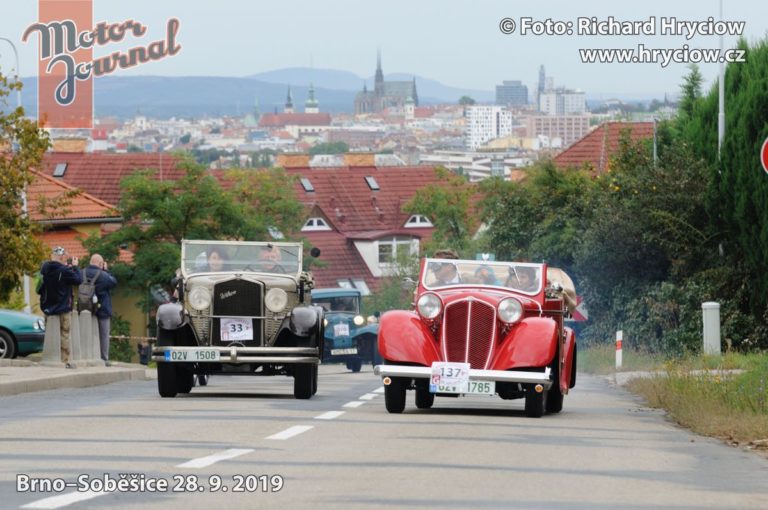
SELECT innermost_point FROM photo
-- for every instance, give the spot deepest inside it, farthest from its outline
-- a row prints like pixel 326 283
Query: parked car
pixel 20 333
pixel 349 337
pixel 482 328
pixel 243 309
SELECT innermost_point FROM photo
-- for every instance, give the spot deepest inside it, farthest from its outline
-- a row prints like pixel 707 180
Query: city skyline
pixel 460 47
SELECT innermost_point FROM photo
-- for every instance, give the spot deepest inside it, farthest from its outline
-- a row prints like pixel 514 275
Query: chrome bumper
pixel 234 354
pixel 474 374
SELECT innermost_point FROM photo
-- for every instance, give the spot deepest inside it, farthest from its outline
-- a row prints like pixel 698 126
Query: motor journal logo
pixel 67 37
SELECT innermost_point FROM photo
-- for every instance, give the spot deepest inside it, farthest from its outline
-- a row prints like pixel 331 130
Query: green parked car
pixel 20 333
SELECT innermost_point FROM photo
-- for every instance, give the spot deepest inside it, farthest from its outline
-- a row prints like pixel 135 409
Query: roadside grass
pixel 733 407
pixel 698 391
pixel 601 360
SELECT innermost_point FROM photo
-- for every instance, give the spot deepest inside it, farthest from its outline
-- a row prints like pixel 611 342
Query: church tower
pixel 289 102
pixel 379 82
pixel 311 105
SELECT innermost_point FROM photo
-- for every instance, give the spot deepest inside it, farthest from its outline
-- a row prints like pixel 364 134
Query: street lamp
pixel 27 307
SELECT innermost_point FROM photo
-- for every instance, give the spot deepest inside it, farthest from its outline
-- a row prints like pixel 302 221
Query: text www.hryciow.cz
pixel 663 56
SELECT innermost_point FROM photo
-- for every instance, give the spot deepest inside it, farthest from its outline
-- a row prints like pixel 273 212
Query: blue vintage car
pixel 20 333
pixel 349 337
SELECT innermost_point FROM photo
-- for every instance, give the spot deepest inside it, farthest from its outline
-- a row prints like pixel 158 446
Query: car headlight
pixel 429 306
pixel 276 300
pixel 39 324
pixel 325 322
pixel 199 298
pixel 358 320
pixel 510 310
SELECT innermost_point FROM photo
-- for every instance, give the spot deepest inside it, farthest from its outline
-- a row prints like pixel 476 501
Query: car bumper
pixel 233 354
pixel 512 376
pixel 29 343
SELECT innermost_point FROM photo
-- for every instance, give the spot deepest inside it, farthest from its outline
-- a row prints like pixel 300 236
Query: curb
pixel 24 380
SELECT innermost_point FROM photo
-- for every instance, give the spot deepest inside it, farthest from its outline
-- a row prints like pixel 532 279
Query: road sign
pixel 764 155
pixel 580 313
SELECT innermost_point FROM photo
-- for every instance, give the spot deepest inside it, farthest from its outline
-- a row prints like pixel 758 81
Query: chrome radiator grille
pixel 468 332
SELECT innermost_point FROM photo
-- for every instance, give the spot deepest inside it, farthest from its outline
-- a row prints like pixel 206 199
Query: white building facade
pixel 486 123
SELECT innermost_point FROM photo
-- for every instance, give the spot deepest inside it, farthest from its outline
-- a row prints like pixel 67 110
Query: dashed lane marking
pixel 354 403
pixel 216 457
pixel 330 415
pixel 291 432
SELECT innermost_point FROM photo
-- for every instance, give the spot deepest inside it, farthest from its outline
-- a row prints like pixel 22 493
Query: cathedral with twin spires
pixel 385 94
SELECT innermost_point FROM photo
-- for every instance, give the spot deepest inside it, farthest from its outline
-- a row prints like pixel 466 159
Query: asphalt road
pixel 342 450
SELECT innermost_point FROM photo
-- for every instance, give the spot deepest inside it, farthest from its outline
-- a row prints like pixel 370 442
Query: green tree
pixel 690 91
pixel 448 205
pixel 185 138
pixel 22 145
pixel 466 101
pixel 159 214
pixel 329 148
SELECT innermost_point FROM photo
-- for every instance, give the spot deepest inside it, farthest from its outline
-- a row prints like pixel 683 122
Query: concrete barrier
pixel 83 339
pixel 52 342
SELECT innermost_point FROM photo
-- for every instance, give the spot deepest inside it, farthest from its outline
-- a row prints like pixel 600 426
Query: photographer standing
pixel 104 283
pixel 59 275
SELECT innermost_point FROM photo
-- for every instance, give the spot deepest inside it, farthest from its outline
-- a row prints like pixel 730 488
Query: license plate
pixel 233 330
pixel 448 377
pixel 192 356
pixel 341 329
pixel 338 352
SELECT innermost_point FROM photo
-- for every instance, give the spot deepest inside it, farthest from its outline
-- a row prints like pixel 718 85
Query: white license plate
pixel 470 388
pixel 233 330
pixel 192 356
pixel 338 352
pixel 341 330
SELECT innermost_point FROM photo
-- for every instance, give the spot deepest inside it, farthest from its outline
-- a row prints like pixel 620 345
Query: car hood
pixel 20 316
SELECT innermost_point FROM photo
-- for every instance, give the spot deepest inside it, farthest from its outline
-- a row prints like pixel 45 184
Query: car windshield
pixel 240 256
pixel 338 303
pixel 520 277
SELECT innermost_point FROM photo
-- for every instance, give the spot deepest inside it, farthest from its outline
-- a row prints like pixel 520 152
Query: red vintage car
pixel 482 328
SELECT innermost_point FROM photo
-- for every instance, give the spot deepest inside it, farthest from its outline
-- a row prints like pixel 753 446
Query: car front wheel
pixel 424 398
pixel 7 346
pixel 535 402
pixel 394 395
pixel 166 380
pixel 302 381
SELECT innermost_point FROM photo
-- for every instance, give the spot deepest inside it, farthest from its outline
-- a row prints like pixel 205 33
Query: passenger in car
pixel 486 276
pixel 522 278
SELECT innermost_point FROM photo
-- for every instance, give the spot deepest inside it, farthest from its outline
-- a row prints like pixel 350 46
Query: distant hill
pixel 430 91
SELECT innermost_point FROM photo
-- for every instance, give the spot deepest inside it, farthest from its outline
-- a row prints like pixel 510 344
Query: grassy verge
pixel 732 407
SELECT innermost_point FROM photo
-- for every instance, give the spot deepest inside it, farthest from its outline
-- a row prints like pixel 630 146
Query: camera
pixel 69 261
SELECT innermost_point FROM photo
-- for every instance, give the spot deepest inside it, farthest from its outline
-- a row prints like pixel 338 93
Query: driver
pixel 522 278
pixel 269 259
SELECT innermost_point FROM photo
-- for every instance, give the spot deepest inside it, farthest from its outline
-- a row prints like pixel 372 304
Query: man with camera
pixel 59 275
pixel 104 282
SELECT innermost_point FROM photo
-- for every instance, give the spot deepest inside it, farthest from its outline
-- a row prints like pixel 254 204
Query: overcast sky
pixel 457 42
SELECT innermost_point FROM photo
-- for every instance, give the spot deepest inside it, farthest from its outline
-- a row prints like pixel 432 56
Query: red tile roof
pixel 99 174
pixel 595 150
pixel 71 240
pixel 344 196
pixel 275 120
pixel 45 192
pixel 341 259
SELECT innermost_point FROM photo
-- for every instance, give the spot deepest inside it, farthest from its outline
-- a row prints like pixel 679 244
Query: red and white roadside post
pixel 619 338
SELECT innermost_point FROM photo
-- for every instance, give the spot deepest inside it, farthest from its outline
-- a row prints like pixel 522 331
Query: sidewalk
pixel 24 375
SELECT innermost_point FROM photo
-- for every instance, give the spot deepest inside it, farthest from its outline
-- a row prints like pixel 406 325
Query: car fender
pixel 531 343
pixel 304 320
pixel 404 338
pixel 569 367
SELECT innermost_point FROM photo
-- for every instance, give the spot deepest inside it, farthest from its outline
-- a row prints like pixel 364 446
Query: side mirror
pixel 315 251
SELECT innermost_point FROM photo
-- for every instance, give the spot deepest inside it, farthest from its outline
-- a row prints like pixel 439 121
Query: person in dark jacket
pixel 59 275
pixel 103 285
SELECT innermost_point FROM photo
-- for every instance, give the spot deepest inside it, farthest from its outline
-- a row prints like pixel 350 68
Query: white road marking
pixel 330 415
pixel 368 396
pixel 354 403
pixel 291 431
pixel 380 389
pixel 216 457
pixel 64 500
